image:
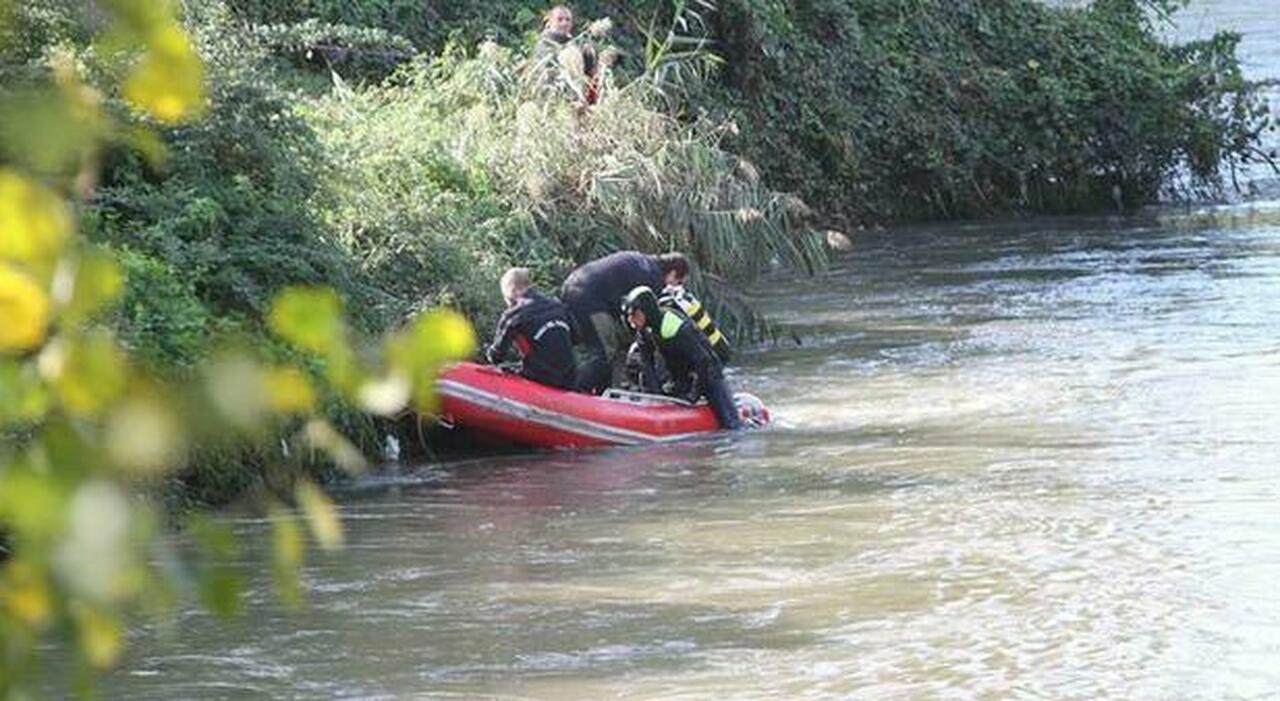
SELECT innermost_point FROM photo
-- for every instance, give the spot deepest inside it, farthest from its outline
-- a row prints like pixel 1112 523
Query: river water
pixel 1036 460
pixel 1024 460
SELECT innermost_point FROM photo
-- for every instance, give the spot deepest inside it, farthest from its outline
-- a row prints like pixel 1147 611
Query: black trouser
pixel 720 398
pixel 602 358
pixel 561 381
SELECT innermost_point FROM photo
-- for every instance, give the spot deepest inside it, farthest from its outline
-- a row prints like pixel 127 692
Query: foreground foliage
pixel 87 427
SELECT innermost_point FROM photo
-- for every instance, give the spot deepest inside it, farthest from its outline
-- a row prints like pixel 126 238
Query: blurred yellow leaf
pixel 87 372
pixel 387 396
pixel 289 391
pixel 25 592
pixel 444 334
pixel 34 223
pixel 31 504
pixel 309 318
pixel 97 282
pixel 49 131
pixel 22 395
pixel 237 390
pixel 144 436
pixel 431 341
pixel 288 545
pixel 141 17
pixel 147 143
pixel 288 549
pixel 168 83
pixel 95 559
pixel 24 311
pixel 322 516
pixel 101 636
pixel 323 437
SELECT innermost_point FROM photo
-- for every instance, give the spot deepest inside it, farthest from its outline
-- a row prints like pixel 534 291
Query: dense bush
pixel 963 108
pixel 890 109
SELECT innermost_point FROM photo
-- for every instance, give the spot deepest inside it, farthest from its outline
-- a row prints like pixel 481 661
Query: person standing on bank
pixel 593 293
pixel 693 366
pixel 541 330
pixel 560 59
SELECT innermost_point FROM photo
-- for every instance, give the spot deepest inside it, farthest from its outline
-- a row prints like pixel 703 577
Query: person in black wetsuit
pixel 692 364
pixel 541 330
pixel 593 293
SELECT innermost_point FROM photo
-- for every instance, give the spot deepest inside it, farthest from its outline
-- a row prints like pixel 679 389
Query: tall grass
pixel 464 163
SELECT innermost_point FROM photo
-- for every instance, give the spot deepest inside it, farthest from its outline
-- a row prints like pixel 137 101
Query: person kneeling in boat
pixel 540 329
pixel 694 368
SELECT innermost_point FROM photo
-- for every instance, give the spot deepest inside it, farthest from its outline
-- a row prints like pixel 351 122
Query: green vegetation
pixel 876 111
pixel 90 425
pixel 203 224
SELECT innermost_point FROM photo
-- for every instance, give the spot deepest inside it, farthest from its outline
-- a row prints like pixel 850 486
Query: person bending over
pixel 540 329
pixel 676 295
pixel 693 366
pixel 593 294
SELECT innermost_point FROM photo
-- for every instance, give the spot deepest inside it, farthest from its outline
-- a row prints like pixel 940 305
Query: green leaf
pixel 42 130
pixel 419 352
pixel 309 318
pixel 289 391
pixel 23 396
pixel 101 635
pixel 321 514
pixel 32 505
pixel 87 372
pixel 320 435
pixel 169 81
pixel 288 550
pixel 98 283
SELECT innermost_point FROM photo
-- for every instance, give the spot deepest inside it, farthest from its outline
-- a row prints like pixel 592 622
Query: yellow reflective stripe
pixel 715 337
pixel 690 306
pixel 704 323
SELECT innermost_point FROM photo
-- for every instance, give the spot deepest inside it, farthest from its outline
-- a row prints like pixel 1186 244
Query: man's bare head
pixel 515 282
pixel 559 19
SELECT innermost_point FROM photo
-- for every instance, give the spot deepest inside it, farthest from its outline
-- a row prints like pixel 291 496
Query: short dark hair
pixel 674 262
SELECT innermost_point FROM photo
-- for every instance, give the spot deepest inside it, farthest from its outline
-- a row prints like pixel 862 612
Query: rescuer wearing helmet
pixel 690 360
pixel 593 293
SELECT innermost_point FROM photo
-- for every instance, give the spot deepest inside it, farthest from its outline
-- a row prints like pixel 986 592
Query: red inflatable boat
pixel 488 400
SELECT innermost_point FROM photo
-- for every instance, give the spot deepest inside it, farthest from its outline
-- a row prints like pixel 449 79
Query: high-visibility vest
pixel 682 299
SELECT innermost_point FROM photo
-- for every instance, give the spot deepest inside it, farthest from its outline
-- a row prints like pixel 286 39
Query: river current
pixel 1024 460
pixel 1033 460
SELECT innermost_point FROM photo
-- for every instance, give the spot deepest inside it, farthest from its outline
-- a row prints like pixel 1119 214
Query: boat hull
pixel 490 401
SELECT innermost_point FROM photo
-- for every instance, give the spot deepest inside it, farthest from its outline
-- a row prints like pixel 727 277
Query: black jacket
pixel 600 285
pixel 690 361
pixel 541 330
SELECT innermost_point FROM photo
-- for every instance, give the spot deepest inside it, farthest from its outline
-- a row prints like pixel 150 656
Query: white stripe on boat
pixel 552 419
